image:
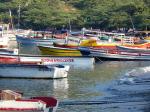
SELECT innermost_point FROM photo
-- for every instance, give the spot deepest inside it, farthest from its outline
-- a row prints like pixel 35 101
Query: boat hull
pixel 32 71
pixel 37 41
pixel 133 49
pixel 58 51
pixel 75 61
pixel 121 55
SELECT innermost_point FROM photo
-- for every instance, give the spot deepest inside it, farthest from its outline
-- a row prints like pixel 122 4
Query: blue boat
pixel 38 41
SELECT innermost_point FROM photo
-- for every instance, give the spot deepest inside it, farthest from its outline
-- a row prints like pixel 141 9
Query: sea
pixel 107 86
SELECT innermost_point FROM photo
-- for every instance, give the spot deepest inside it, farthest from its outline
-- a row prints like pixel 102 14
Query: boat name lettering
pixel 58 60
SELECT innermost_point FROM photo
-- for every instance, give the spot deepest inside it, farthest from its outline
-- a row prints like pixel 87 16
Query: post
pixel 19 17
pixel 69 25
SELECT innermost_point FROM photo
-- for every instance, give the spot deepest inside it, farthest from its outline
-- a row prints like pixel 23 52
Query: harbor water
pixel 111 86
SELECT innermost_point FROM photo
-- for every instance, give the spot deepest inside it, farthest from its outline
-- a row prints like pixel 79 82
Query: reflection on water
pixel 60 88
pixel 37 87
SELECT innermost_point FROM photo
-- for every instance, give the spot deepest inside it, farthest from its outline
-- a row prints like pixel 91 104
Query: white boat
pixel 76 61
pixel 4 38
pixel 11 101
pixel 120 55
pixel 33 71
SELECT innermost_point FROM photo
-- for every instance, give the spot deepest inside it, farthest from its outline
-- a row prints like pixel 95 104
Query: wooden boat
pixel 134 49
pixel 120 55
pixel 94 39
pixel 85 61
pixel 8 51
pixel 95 44
pixel 11 101
pixel 37 40
pixel 103 40
pixel 59 51
pixel 33 71
pixel 143 34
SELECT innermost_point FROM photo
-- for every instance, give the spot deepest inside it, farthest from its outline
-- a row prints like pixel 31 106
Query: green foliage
pixel 103 14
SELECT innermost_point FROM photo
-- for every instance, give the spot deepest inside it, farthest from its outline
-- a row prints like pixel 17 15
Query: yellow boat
pixel 58 51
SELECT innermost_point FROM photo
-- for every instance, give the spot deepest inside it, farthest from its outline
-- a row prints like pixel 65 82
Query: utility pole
pixel 19 16
pixel 69 25
pixel 132 23
pixel 11 21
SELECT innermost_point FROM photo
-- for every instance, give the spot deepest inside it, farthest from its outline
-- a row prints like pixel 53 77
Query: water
pixel 115 86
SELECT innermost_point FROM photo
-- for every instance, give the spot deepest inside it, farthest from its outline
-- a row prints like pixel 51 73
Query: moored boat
pixel 95 44
pixel 33 71
pixel 134 49
pixel 37 40
pixel 11 101
pixel 4 38
pixel 120 55
pixel 59 51
pixel 76 61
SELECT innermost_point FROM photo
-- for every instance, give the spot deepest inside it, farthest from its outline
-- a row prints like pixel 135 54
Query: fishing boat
pixel 4 38
pixel 102 40
pixel 144 35
pixel 33 71
pixel 93 43
pixel 93 39
pixel 120 55
pixel 38 40
pixel 82 61
pixel 134 49
pixel 59 51
pixel 11 101
pixel 8 51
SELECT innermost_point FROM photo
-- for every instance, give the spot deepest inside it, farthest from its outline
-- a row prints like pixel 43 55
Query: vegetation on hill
pixel 103 14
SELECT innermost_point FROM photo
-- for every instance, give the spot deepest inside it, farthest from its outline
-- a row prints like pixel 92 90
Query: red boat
pixel 11 101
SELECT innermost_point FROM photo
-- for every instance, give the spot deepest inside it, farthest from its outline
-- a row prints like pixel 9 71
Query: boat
pixel 102 40
pixel 4 39
pixel 145 35
pixel 120 55
pixel 134 49
pixel 12 101
pixel 93 43
pixel 59 51
pixel 76 61
pixel 37 40
pixel 33 71
pixel 8 51
pixel 93 39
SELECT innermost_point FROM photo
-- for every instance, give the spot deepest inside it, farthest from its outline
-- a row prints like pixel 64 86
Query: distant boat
pixel 145 47
pixel 120 55
pixel 4 38
pixel 33 71
pixel 11 101
pixel 133 49
pixel 37 40
pixel 59 51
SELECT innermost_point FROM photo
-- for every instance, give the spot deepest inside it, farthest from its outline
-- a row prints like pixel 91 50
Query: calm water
pixel 115 86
